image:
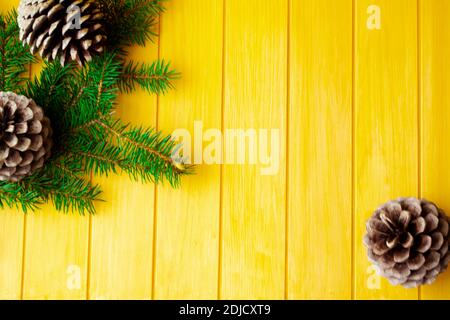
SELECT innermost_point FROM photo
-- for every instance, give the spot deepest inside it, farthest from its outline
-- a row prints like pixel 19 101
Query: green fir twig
pixel 14 57
pixel 156 77
pixel 80 103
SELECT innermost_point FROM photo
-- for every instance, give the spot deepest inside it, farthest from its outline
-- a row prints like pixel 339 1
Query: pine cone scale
pixel 416 262
pixel 407 241
pixel 401 255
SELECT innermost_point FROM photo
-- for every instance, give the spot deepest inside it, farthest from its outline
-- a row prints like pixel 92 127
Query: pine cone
pixel 68 30
pixel 25 137
pixel 408 240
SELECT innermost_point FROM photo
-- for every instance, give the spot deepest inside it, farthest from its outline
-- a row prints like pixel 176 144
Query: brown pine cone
pixel 65 30
pixel 408 240
pixel 25 137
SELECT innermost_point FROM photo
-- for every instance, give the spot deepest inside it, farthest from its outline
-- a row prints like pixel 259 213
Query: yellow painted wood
pixel 56 255
pixel 122 231
pixel 188 218
pixel 320 150
pixel 11 232
pixel 254 209
pixel 386 130
pixel 435 84
pixel 11 253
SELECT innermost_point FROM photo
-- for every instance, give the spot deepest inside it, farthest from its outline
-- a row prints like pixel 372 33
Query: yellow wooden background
pixel 365 117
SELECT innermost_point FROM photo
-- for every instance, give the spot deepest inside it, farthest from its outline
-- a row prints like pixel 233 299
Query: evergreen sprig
pixel 135 22
pixel 67 190
pixel 131 22
pixel 19 196
pixel 156 77
pixel 80 103
pixel 14 57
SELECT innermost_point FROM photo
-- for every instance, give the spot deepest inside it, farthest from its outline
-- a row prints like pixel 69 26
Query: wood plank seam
pixel 89 253
pixel 386 99
pixel 89 258
pixel 155 203
pixel 22 276
pixel 24 238
pixel 419 112
pixel 222 127
pixel 288 106
pixel 353 174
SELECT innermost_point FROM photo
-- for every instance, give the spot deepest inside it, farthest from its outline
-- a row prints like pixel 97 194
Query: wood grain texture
pixel 121 254
pixel 386 141
pixel 435 84
pixel 253 221
pixel 11 253
pixel 188 218
pixel 55 261
pixel 320 150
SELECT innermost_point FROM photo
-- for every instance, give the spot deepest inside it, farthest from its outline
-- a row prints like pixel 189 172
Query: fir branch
pixel 75 195
pixel 80 103
pixel 105 146
pixel 50 89
pixel 97 156
pixel 120 132
pixel 94 91
pixel 67 171
pixel 67 192
pixel 131 22
pixel 15 58
pixel 91 124
pixel 17 196
pixel 155 78
pixel 149 7
pixel 149 149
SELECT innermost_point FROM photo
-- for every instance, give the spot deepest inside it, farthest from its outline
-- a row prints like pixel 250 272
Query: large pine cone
pixel 68 30
pixel 408 240
pixel 25 137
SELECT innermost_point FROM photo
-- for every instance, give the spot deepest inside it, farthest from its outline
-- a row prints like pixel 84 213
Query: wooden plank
pixel 253 222
pixel 11 232
pixel 435 84
pixel 56 255
pixel 386 123
pixel 188 218
pixel 11 249
pixel 122 231
pixel 320 150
